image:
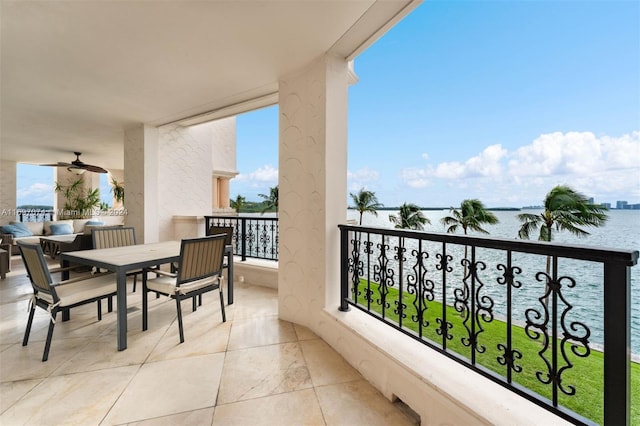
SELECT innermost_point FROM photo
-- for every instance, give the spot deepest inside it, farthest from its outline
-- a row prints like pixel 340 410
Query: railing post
pixel 344 270
pixel 243 249
pixel 617 343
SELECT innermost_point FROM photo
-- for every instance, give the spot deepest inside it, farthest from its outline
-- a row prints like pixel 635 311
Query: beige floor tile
pixel 251 332
pixel 169 387
pixel 191 418
pixel 325 365
pixel 25 362
pixel 102 352
pixel 254 301
pixel 204 333
pixel 294 408
pixel 304 333
pixel 11 392
pixel 266 370
pixel 359 403
pixel 81 399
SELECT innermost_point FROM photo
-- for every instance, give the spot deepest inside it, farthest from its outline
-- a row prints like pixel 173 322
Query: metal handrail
pixel 400 277
pixel 253 237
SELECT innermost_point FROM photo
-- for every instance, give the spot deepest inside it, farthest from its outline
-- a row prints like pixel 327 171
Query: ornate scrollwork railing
pixel 255 237
pixel 513 311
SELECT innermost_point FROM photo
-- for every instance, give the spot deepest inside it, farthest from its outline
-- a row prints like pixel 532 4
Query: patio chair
pixel 61 296
pixel 199 271
pixel 117 236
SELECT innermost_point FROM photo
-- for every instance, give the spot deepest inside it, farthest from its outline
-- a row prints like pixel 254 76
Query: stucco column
pixel 141 177
pixel 8 197
pixel 223 192
pixel 312 188
pixel 214 193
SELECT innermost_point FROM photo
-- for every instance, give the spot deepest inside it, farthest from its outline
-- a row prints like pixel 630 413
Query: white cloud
pixel 415 178
pixel 605 167
pixel 37 193
pixel 575 153
pixel 361 178
pixel 263 174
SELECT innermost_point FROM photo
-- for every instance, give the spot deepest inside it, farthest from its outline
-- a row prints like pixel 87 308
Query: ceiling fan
pixel 77 166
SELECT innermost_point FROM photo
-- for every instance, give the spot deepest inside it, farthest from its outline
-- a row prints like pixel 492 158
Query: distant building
pixel 633 206
pixel 606 205
pixel 591 200
pixel 622 205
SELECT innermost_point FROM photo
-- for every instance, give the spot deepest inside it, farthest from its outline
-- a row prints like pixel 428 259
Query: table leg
pixel 121 308
pixel 230 271
pixel 64 263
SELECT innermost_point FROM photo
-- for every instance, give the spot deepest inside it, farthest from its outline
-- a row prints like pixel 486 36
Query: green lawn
pixel 586 375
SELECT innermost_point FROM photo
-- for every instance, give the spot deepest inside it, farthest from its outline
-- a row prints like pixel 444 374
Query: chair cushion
pixel 17 230
pixel 167 285
pixel 75 292
pixel 61 229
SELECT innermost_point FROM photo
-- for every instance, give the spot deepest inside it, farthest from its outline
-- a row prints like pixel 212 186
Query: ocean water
pixel 621 231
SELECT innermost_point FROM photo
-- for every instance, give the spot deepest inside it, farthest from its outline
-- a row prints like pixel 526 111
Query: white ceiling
pixel 74 74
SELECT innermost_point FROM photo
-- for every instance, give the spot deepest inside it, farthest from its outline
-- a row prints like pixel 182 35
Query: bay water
pixel 621 231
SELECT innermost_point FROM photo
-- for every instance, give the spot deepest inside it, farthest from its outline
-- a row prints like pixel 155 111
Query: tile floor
pixel 252 370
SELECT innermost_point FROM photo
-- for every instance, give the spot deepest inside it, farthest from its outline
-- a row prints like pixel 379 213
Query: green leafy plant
pixel 79 201
pixel 117 188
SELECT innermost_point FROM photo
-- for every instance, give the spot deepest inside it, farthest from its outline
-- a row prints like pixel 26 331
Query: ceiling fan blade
pixel 58 164
pixel 94 169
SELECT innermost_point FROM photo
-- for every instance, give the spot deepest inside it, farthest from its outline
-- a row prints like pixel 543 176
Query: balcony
pixel 253 369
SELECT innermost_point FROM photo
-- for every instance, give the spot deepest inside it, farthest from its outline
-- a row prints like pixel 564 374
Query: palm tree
pixel 565 210
pixel 271 200
pixel 365 201
pixel 409 217
pixel 238 203
pixel 471 216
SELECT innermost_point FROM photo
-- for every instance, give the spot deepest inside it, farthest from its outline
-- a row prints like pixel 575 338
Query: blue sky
pixel 492 100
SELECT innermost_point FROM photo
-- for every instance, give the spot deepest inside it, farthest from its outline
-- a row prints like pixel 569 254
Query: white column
pixel 8 193
pixel 312 188
pixel 141 176
pixel 214 193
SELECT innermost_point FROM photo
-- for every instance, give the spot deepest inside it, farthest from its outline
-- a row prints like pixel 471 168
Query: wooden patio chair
pixel 199 271
pixel 117 236
pixel 63 295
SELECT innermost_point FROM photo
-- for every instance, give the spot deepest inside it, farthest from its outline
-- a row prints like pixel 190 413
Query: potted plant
pixel 117 188
pixel 79 201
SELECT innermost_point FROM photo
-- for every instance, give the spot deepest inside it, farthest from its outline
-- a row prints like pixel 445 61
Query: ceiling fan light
pixel 76 170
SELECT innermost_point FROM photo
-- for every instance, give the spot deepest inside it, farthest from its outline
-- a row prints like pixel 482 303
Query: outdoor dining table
pixel 128 258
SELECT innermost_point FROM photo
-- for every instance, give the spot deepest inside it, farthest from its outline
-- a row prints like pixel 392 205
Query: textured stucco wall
pixel 312 185
pixel 7 191
pixel 223 136
pixel 141 177
pixel 184 180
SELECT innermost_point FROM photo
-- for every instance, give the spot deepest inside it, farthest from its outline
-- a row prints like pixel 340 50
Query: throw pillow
pixel 61 229
pixel 94 223
pixel 17 230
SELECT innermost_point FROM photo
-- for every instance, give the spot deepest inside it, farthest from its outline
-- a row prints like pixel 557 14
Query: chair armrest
pixel 85 277
pixel 160 272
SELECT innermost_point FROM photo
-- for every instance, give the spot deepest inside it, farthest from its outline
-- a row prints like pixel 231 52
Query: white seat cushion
pixel 167 285
pixel 72 293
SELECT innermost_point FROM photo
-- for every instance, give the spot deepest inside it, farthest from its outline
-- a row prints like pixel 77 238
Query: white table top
pixel 128 255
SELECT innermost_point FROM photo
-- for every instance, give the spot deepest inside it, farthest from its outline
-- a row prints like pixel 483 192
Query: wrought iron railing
pixel 525 314
pixel 35 215
pixel 255 237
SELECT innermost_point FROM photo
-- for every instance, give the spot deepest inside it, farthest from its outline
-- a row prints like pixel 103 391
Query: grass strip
pixel 586 374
